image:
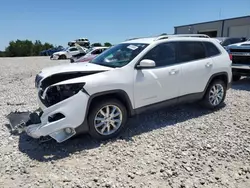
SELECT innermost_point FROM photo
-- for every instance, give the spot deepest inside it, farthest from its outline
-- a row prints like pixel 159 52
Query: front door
pixel 160 83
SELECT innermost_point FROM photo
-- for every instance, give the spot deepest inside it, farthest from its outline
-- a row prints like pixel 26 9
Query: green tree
pixel 47 46
pixel 96 44
pixel 37 48
pixel 2 54
pixel 20 48
pixel 107 44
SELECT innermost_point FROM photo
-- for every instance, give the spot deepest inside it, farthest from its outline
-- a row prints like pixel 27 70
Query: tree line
pixel 23 48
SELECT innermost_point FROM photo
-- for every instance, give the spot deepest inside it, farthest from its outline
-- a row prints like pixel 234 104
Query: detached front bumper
pixel 60 120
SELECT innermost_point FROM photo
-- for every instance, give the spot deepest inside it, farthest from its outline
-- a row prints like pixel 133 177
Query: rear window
pixel 211 49
pixel 237 40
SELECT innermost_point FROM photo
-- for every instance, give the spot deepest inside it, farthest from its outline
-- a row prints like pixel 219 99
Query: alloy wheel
pixel 216 94
pixel 108 120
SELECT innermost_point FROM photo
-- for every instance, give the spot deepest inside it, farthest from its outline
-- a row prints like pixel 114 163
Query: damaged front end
pixel 62 109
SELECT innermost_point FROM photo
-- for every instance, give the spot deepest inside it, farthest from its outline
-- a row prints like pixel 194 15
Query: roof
pixel 149 40
pixel 146 40
pixel 99 47
pixel 214 21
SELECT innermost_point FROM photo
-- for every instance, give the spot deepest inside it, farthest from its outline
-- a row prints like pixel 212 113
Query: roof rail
pixel 131 39
pixel 139 38
pixel 181 35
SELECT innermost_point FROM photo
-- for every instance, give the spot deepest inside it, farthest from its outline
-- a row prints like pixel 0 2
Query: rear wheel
pixel 106 119
pixel 215 94
pixel 236 78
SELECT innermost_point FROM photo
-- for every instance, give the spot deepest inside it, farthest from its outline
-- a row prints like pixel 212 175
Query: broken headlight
pixel 59 93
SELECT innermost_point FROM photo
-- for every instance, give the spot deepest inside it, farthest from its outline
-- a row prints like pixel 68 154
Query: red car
pixel 91 54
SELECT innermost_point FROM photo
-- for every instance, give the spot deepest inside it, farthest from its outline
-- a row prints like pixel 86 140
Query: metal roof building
pixel 233 27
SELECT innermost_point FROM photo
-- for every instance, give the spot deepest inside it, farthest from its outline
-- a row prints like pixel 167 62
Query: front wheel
pixel 107 119
pixel 62 57
pixel 215 94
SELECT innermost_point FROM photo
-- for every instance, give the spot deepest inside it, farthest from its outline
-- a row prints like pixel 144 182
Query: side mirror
pixel 146 63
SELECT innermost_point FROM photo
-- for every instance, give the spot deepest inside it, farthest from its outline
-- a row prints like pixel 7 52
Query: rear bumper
pixel 62 120
pixel 241 69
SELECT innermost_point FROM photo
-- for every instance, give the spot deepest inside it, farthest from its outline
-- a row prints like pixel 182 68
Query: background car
pixel 81 41
pixel 50 51
pixel 225 41
pixel 68 53
pixel 91 54
pixel 240 56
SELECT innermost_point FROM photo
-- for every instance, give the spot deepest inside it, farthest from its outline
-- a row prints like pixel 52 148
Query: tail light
pixel 231 57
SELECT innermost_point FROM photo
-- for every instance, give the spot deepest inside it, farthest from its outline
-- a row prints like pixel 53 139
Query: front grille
pixel 241 60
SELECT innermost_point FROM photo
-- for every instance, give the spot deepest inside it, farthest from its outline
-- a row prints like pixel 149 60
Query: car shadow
pixel 242 84
pixel 50 150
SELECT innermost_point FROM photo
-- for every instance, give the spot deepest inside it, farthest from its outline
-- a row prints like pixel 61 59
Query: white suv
pixel 130 78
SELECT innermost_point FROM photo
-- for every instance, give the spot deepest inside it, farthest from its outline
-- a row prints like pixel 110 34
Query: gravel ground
pixel 182 147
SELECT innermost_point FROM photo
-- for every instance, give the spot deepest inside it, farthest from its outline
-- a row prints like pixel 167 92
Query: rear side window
pixel 190 51
pixel 212 50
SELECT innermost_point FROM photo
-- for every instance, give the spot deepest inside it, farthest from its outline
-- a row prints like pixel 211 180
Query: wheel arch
pixel 222 76
pixel 121 95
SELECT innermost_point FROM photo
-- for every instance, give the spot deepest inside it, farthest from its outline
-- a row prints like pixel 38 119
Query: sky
pixel 60 21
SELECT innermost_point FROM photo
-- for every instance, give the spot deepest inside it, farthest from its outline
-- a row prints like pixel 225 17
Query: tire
pixel 207 101
pixel 95 111
pixel 62 57
pixel 236 78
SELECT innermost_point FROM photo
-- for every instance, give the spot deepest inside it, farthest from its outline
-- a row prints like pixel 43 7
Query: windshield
pixel 119 55
pixel 65 49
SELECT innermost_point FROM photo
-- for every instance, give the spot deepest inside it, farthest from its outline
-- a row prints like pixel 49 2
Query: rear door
pixel 196 67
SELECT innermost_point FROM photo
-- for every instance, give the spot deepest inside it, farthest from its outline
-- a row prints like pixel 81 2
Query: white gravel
pixel 182 147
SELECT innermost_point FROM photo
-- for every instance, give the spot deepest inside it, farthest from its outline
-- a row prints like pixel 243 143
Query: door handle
pixel 209 64
pixel 173 71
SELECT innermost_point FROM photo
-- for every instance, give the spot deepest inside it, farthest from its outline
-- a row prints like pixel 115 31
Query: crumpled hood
pixel 74 67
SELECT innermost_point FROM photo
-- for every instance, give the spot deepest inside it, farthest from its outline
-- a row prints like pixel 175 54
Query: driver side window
pixel 162 54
